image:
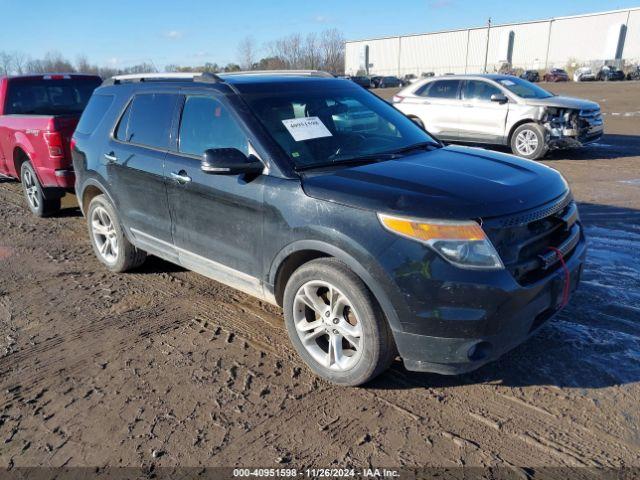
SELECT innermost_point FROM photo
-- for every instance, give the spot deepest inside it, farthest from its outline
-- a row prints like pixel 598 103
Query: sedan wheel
pixel 529 141
pixel 526 142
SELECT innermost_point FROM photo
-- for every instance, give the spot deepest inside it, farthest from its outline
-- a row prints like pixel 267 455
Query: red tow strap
pixel 567 278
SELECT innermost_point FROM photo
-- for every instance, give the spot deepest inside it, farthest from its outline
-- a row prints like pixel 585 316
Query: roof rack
pixel 306 73
pixel 205 77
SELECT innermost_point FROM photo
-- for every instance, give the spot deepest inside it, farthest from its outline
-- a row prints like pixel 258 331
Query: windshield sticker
pixel 507 83
pixel 307 128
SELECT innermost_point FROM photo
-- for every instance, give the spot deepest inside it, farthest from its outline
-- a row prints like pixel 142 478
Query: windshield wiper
pixel 416 146
pixel 359 160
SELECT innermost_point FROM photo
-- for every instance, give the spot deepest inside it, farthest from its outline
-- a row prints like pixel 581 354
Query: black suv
pixel 375 241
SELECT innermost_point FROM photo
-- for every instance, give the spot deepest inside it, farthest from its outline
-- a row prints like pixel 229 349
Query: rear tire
pixel 109 242
pixel 529 141
pixel 335 323
pixel 38 201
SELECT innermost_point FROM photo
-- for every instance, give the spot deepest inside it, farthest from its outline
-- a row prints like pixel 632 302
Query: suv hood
pixel 447 183
pixel 563 102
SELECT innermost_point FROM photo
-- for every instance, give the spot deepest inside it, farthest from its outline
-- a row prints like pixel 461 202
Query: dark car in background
pixel 389 82
pixel 609 74
pixel 375 240
pixel 531 76
pixel 409 78
pixel 361 80
pixel 375 81
pixel 556 75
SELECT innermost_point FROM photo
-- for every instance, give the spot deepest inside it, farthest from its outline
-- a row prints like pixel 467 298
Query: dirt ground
pixel 165 367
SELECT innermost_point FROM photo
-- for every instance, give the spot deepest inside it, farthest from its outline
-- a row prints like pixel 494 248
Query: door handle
pixel 467 105
pixel 181 177
pixel 110 157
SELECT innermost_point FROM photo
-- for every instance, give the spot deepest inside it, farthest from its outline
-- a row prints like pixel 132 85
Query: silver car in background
pixel 500 110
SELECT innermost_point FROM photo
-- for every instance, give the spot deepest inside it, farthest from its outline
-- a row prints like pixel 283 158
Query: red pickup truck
pixel 38 114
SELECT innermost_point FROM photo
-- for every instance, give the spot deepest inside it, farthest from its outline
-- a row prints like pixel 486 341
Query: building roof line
pixel 454 30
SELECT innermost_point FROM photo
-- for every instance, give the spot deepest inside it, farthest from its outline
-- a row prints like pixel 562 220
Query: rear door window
pixel 93 114
pixel 443 89
pixel 147 120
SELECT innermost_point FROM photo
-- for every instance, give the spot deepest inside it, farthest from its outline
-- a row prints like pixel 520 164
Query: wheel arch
pixel 519 123
pixel 91 189
pixel 300 252
pixel 19 157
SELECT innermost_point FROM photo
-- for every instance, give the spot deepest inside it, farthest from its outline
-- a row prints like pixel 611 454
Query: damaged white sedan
pixel 500 110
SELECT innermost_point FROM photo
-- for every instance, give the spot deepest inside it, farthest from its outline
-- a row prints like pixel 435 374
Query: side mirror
pixel 499 98
pixel 229 161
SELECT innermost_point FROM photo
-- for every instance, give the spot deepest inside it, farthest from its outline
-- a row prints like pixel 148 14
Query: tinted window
pixel 207 123
pixel 40 96
pixel 121 130
pixel 322 125
pixel 149 120
pixel 477 90
pixel 93 114
pixel 443 89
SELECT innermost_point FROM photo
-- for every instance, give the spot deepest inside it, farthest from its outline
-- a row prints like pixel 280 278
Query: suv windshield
pixel 43 96
pixel 523 88
pixel 337 123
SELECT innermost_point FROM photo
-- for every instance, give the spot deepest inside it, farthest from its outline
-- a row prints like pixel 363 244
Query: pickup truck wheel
pixel 108 240
pixel 528 141
pixel 37 201
pixel 335 323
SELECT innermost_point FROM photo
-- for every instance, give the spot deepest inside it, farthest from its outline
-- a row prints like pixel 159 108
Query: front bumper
pixel 488 321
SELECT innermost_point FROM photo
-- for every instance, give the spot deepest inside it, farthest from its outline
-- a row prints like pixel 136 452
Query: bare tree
pixel 323 52
pixel 83 65
pixel 247 53
pixel 6 63
pixel 312 52
pixel 19 62
pixel 332 46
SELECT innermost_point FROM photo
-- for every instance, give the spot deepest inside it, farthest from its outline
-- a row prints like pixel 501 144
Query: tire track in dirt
pixel 414 419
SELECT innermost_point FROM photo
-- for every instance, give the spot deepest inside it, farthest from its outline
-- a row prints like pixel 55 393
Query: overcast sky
pixel 121 33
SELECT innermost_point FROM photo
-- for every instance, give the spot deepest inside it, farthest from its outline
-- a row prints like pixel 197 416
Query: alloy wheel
pixel 328 326
pixel 526 142
pixel 104 234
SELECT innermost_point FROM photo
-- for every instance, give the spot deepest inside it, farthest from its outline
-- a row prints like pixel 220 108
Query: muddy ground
pixel 165 367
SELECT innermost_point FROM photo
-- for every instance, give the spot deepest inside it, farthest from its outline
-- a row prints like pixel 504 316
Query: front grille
pixel 523 240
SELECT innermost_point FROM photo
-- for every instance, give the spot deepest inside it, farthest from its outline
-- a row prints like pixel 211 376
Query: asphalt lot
pixel 165 367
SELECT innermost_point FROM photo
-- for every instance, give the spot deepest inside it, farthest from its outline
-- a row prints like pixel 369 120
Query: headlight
pixel 463 243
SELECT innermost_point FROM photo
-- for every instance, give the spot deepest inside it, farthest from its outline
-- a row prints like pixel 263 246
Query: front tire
pixel 529 141
pixel 38 202
pixel 335 323
pixel 109 242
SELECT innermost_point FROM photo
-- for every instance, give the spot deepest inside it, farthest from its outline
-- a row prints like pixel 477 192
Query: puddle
pixel 600 329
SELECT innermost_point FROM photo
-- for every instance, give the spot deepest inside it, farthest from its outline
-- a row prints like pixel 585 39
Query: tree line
pixel 315 51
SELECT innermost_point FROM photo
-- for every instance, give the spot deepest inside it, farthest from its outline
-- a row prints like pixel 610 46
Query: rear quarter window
pixel 94 113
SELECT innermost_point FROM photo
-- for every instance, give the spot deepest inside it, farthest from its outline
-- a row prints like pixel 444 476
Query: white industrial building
pixel 588 39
